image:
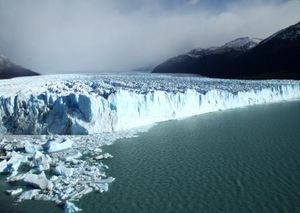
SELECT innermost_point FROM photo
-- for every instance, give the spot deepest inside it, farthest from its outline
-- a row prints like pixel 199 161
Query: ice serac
pixel 88 104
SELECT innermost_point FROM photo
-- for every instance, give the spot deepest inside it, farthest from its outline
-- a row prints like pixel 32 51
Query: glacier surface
pixel 64 168
pixel 90 104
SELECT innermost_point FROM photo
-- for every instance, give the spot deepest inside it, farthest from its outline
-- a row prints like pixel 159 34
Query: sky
pixel 65 36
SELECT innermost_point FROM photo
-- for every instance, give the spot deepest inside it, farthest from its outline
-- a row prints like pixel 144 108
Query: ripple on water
pixel 243 160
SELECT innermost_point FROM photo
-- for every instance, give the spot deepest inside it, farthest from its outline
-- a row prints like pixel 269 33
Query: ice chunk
pixel 102 187
pixel 98 150
pixel 57 146
pixel 103 156
pixel 71 208
pixel 3 157
pixel 14 163
pixel 54 178
pixel 72 155
pixel 41 161
pixel 39 181
pixel 60 169
pixel 15 178
pixel 3 165
pixel 29 148
pixel 15 191
pixel 29 195
pixel 107 180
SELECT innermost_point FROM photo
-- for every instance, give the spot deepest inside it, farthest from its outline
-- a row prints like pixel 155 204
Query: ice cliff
pixel 88 104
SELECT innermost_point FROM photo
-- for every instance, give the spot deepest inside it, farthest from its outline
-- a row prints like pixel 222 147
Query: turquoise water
pixel 242 160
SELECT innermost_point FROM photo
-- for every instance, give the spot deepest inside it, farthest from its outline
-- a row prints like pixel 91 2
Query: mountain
pixel 275 57
pixel 11 70
pixel 243 58
pixel 207 61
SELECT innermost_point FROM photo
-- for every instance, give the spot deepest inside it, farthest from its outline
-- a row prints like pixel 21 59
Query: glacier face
pixel 90 104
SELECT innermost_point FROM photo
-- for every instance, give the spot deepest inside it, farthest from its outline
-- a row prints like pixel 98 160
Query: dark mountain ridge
pixel 11 70
pixel 244 58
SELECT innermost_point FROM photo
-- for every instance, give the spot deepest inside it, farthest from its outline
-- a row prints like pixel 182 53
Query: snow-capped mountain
pixel 275 57
pixel 10 70
pixel 244 43
pixel 240 44
pixel 201 61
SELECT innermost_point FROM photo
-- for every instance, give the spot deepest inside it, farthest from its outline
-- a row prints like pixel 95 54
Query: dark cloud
pixel 75 35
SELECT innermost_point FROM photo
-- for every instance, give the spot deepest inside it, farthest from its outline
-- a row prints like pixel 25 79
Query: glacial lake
pixel 241 160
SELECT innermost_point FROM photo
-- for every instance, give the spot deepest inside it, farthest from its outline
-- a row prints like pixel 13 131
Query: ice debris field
pixel 44 118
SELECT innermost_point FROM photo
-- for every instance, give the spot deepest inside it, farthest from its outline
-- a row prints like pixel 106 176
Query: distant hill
pixel 11 70
pixel 244 58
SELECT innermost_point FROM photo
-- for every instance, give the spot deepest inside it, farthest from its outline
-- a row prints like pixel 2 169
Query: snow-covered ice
pixel 58 109
pixel 57 146
pixel 89 104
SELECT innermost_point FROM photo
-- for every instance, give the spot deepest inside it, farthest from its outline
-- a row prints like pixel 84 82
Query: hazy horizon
pixel 75 36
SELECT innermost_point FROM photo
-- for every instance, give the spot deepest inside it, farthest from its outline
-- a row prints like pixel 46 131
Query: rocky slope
pixel 11 70
pixel 207 62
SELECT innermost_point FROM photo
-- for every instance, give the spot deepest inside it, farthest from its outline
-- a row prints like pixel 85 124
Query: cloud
pixel 193 2
pixel 74 35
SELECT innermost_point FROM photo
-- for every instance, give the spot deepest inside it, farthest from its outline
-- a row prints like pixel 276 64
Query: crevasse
pixel 86 112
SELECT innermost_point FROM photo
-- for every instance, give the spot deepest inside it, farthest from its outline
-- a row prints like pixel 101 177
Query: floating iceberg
pixel 13 164
pixel 103 156
pixel 14 192
pixel 88 104
pixel 59 176
pixel 39 181
pixel 60 169
pixel 29 195
pixel 71 208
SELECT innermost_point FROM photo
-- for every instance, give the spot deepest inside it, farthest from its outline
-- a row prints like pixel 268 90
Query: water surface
pixel 242 160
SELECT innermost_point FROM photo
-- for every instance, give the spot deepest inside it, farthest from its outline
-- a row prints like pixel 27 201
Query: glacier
pixel 56 125
pixel 91 104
